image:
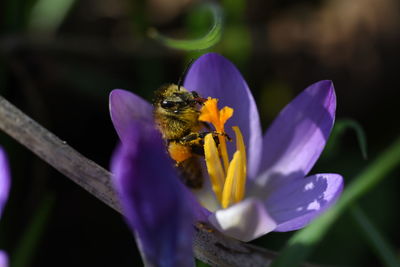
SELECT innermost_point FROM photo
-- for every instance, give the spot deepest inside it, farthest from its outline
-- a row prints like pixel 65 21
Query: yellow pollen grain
pixel 214 166
pixel 179 152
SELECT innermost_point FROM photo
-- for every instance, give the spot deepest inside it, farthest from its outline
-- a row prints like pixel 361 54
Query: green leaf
pixel 27 245
pixel 210 39
pixel 374 238
pixel 47 15
pixel 340 127
pixel 303 242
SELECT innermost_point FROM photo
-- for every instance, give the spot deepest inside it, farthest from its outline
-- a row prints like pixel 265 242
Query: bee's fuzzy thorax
pixel 177 120
pixel 176 114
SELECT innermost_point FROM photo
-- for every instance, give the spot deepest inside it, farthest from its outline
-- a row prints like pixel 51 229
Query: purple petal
pixel 294 202
pixel 298 135
pixel 4 179
pixel 3 259
pixel 155 206
pixel 215 76
pixel 125 108
pixel 245 221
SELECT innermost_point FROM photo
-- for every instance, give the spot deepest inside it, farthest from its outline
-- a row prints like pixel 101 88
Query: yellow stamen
pixel 232 181
pixel 214 166
pixel 241 147
pixel 241 183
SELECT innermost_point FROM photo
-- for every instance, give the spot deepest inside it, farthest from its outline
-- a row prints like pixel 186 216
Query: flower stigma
pixel 228 182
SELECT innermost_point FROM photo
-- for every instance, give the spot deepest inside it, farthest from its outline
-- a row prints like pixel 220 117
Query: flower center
pixel 228 182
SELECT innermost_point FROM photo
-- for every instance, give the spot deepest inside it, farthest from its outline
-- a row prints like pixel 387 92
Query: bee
pixel 176 113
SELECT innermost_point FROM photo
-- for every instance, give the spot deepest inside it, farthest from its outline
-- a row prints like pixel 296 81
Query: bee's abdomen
pixel 190 173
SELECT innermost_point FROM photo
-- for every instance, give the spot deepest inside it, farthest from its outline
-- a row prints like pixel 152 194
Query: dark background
pixel 59 63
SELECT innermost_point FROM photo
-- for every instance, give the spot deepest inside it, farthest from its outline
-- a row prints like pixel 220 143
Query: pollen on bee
pixel 179 152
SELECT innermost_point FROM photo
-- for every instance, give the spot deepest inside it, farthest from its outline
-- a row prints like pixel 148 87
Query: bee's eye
pixel 167 104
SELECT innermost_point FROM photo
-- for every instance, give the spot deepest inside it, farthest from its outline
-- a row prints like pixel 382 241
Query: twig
pixel 210 246
pixel 57 153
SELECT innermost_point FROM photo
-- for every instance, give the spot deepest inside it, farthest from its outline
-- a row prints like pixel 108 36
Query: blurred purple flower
pixel 279 194
pixel 153 199
pixel 3 259
pixel 4 190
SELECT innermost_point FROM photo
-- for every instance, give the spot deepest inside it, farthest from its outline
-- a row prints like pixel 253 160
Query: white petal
pixel 206 196
pixel 246 220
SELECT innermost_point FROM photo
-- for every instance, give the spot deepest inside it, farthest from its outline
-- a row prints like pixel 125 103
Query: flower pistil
pixel 228 183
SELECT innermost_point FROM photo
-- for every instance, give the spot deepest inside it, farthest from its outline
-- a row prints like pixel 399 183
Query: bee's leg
pixel 197 98
pixel 191 138
pixel 226 136
pixel 206 125
pixel 196 141
pixel 215 135
pixel 198 138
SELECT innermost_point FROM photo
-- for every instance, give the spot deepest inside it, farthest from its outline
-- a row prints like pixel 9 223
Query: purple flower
pixel 153 200
pixel 279 196
pixel 4 190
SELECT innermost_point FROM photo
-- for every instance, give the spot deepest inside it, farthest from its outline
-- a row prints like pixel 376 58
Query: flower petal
pixel 3 259
pixel 296 201
pixel 152 198
pixel 215 76
pixel 4 179
pixel 245 220
pixel 125 108
pixel 298 135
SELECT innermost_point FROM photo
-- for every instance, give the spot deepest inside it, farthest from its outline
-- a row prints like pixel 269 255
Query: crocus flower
pixel 152 198
pixel 275 192
pixel 4 190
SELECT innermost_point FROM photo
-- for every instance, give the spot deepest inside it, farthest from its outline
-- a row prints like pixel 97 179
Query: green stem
pixel 340 127
pixel 210 39
pixel 375 239
pixel 26 248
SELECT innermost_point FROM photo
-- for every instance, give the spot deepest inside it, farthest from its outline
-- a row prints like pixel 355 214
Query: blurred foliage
pixel 25 251
pixel 47 15
pixel 341 125
pixel 60 59
pixel 210 39
pixel 374 238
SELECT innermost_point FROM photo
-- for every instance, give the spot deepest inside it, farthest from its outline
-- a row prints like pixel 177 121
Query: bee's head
pixel 174 99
